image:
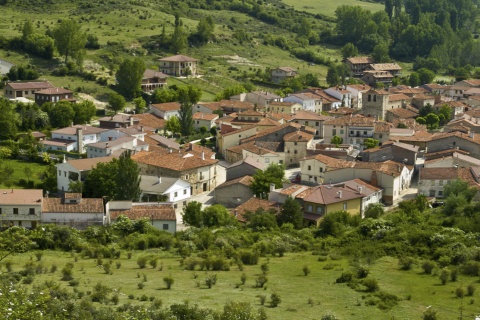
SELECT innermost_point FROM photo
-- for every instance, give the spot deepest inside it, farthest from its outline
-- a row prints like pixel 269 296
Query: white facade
pixel 306 102
pixel 21 215
pixel 341 94
pixel 75 219
pixel 432 188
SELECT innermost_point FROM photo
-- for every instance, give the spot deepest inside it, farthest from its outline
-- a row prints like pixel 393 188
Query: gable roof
pixel 86 205
pixel 360 60
pixel 178 58
pixel 21 196
pixel 164 141
pixel 149 73
pixel 88 163
pixel 205 116
pixel 168 106
pixel 245 180
pixel 174 161
pixel 438 173
pixel 149 211
pixel 159 184
pixel 403 113
pixel 251 162
pixel 385 66
pixel 298 136
pixel 32 85
pixel 326 194
pixel 309 115
pixel 85 130
pixel 252 205
pixel 150 120
pixel 50 91
pixel 352 120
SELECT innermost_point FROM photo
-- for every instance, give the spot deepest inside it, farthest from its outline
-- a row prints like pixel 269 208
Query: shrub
pixel 406 263
pixel 243 278
pixel 118 264
pixel 67 273
pixel 39 255
pixel 115 298
pixel 261 280
pixel 100 293
pixel 211 281
pixel 371 284
pixel 141 285
pixel 129 255
pixel 248 257
pixel 144 297
pixel 470 289
pixel 107 267
pixel 153 262
pixel 459 292
pixel 444 274
pixel 142 262
pixel 428 267
pixel 454 275
pixel 168 281
pixel 306 270
pixel 362 272
pixel 329 316
pixel 28 279
pixel 264 267
pixel 275 300
pixel 9 265
pixel 345 277
pixel 53 268
pixel 262 298
pixel 74 283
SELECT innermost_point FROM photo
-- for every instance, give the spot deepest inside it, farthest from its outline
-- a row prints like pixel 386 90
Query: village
pixel 343 148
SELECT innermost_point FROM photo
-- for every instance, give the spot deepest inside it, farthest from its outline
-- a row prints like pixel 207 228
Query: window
pixel 334 132
pixel 375 98
pixel 280 161
pixel 309 208
pixel 31 211
pixel 341 131
pixel 186 177
pixel 309 167
pixel 295 151
pixel 369 97
pixel 319 210
pixel 321 169
pixel 440 183
pixel 317 123
pixel 15 210
pixel 440 193
pixel 0 210
pixel 175 194
pixel 295 143
pixel 59 172
pixel 184 191
pixel 344 206
pixel 165 226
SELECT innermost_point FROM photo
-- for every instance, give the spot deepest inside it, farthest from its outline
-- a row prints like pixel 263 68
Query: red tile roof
pixel 168 106
pixel 86 205
pixel 21 196
pixel 175 161
pixel 178 58
pixel 252 205
pixel 245 180
pixel 150 211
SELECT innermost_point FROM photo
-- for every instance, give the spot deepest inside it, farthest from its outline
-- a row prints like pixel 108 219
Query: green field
pixel 303 297
pixel 19 171
pixel 328 7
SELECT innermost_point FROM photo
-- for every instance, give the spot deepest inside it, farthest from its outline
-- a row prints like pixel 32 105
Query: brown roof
pixel 283 103
pixel 89 163
pixel 168 106
pixel 267 122
pixel 205 116
pixel 20 196
pixel 354 120
pixel 245 180
pixel 150 120
pixel 250 112
pixel 174 161
pixel 238 130
pixel 385 66
pixel 85 130
pixel 326 194
pixel 417 136
pixel 178 58
pixel 37 85
pixel 388 167
pixel 309 115
pixel 403 113
pixel 58 142
pixel 149 73
pixel 251 162
pixel 298 136
pixel 153 212
pixel 398 97
pixel 86 205
pixel 54 91
pixel 382 127
pixel 379 74
pixel 360 60
pixel 37 134
pixel 331 162
pixel 252 205
pixel 235 104
pixel 438 174
pixel 119 117
pixel 275 129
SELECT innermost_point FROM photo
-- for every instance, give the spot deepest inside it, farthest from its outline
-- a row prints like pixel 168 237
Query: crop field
pixel 302 296
pixel 328 7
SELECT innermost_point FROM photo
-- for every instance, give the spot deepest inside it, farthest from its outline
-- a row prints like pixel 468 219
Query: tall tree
pixel 127 179
pixel 173 125
pixel 27 30
pixel 274 174
pixel 192 214
pixel 69 39
pixel 116 102
pixel 49 179
pixel 129 77
pixel 205 29
pixel 188 96
pixel 61 115
pixel 349 50
pixel 380 53
pixel 101 182
pixel 84 112
pixel 333 79
pixel 432 120
pixel 389 8
pixel 140 105
pixel 291 212
pixel 178 40
pixel 8 120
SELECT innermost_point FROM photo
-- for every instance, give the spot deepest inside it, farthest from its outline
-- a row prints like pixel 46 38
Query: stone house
pixel 353 129
pixel 161 215
pixel 74 211
pixel 282 73
pixel 20 207
pixel 372 77
pixel 468 142
pixel 259 98
pixel 311 119
pixel 166 110
pixel 119 120
pixel 285 107
pixel 14 90
pixel 245 166
pixel 109 148
pixel 234 192
pixel 152 80
pixel 179 66
pixel 53 95
pixel 201 119
pixel 357 91
pixel 228 136
pixel 358 65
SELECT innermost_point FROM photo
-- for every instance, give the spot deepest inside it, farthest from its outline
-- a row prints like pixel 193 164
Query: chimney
pixel 159 180
pixel 203 155
pixel 471 135
pixel 272 187
pixel 360 189
pixel 71 124
pixel 141 128
pixel 130 119
pixel 170 150
pixel 79 140
pixel 339 194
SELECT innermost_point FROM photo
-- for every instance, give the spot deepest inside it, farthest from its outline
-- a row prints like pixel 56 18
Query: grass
pixel 328 7
pixel 19 173
pixel 303 297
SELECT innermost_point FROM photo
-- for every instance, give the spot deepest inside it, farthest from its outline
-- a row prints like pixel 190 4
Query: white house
pixel 307 101
pixel 73 210
pixel 76 170
pixel 105 149
pixel 201 119
pixel 81 135
pixel 165 110
pixel 341 94
pixel 20 207
pixel 161 215
pixel 175 190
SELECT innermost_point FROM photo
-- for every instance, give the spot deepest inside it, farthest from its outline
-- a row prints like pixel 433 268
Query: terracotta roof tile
pixel 35 85
pixel 298 136
pixel 174 161
pixel 360 60
pixel 326 194
pixel 205 116
pixel 398 97
pixel 354 120
pixel 245 180
pixel 86 205
pixel 168 106
pixel 252 205
pixel 151 211
pixel 150 120
pixel 21 196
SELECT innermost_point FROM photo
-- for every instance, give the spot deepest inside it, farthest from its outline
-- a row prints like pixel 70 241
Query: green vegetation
pixel 19 178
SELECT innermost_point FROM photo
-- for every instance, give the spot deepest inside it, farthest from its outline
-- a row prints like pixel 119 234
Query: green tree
pixel 291 212
pixel 173 125
pixel 380 53
pixel 127 179
pixel 262 179
pixel 205 30
pixel 425 75
pixel 230 91
pixel 116 102
pixel 84 112
pixel 336 140
pixel 100 181
pixel 140 105
pixel 27 30
pixel 192 214
pixel 374 211
pixel 370 143
pixel 457 188
pixel 49 179
pixel 8 120
pixel 178 40
pixel 129 77
pixel 389 8
pixel 414 79
pixel 69 39
pixel 349 50
pixel 217 216
pixel 162 95
pixel 432 120
pixel 188 96
pixel 446 110
pixel 6 174
pixel 426 109
pixel 333 79
pixel 75 186
pixel 61 115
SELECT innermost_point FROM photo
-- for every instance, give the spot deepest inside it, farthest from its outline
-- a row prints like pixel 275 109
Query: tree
pixel 84 112
pixel 370 143
pixel 446 111
pixel 374 211
pixel 336 140
pixel 274 174
pixel 140 105
pixel 129 77
pixel 187 96
pixel 127 179
pixel 6 175
pixel 217 216
pixel 349 50
pixel 291 212
pixel 75 186
pixel 8 120
pixel 173 125
pixel 425 75
pixel 192 214
pixel 380 53
pixel 69 39
pixel 333 79
pixel 389 8
pixel 162 95
pixel 49 179
pixel 101 182
pixel 116 102
pixel 61 115
pixel 421 120
pixel 414 79
pixel 178 40
pixel 432 120
pixel 230 91
pixel 457 188
pixel 426 109
pixel 27 30
pixel 205 29
pixel 92 42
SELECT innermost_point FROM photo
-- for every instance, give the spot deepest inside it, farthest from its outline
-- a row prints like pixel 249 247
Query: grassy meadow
pixel 19 171
pixel 302 297
pixel 328 7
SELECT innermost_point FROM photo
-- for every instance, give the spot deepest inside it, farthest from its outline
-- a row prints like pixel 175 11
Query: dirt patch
pixel 238 60
pixel 98 104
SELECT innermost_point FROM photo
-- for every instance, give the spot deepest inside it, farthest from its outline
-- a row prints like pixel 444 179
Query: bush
pixel 141 285
pixel 430 314
pixel 362 272
pixel 153 262
pixel 168 281
pixel 211 281
pixel 459 292
pixel 142 262
pixel 454 275
pixel 39 255
pixel 470 289
pixel 67 273
pixel 345 277
pixel 261 280
pixel 243 278
pixel 406 263
pixel 444 274
pixel 306 270
pixel 262 298
pixel 248 257
pixel 371 284
pixel 329 316
pixel 275 300
pixel 428 267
